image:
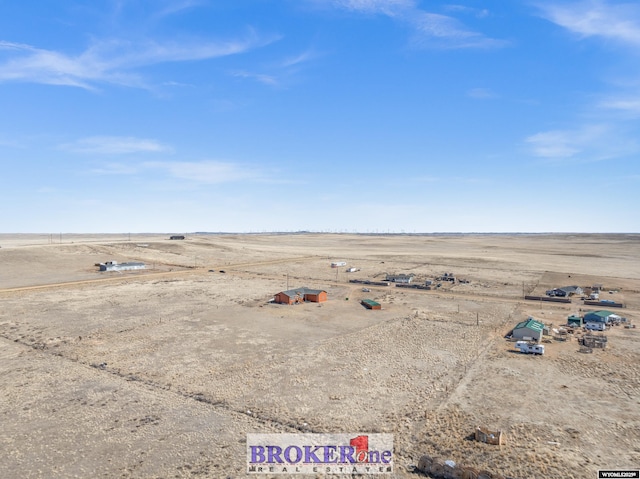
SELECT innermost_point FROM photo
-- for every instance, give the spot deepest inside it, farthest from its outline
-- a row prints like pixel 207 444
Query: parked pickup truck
pixel 528 348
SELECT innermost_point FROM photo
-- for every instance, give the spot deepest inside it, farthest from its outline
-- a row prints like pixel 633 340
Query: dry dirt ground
pixel 161 373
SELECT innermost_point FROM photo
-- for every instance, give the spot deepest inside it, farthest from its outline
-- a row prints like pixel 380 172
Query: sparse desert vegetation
pixel 163 372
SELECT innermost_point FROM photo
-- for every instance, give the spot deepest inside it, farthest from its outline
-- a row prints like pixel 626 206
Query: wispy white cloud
pixel 431 30
pixel 175 6
pixel 298 59
pixel 280 73
pixel 112 61
pixel 477 12
pixel 597 18
pixel 555 144
pixel 481 93
pixel 385 7
pixel 12 143
pixel 208 171
pixel 260 77
pixel 115 169
pixel 436 30
pixel 585 144
pixel 627 105
pixel 449 180
pixel 115 145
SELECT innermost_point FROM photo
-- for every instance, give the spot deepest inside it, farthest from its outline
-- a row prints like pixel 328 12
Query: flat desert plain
pixel 161 373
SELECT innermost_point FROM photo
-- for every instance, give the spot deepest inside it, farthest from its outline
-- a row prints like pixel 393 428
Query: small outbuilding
pixel 575 321
pixel 529 329
pixel 301 295
pixel 176 237
pixel 370 304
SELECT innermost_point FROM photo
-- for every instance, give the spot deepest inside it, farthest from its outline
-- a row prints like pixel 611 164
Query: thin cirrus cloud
pixel 206 172
pixel 259 77
pixel 198 172
pixel 586 144
pixel 436 30
pixel 115 145
pixel 280 73
pixel 303 57
pixel 481 93
pixel 477 12
pixel 385 7
pixel 597 18
pixel 629 106
pixel 115 169
pixel 430 30
pixel 111 61
pixel 176 6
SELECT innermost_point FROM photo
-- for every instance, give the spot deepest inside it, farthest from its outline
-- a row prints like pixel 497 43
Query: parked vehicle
pixel 528 348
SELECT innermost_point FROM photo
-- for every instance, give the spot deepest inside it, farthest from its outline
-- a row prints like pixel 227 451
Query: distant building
pixel 370 304
pixel 176 237
pixel 571 290
pixel 599 317
pixel 301 295
pixel 399 278
pixel 115 266
pixel 529 329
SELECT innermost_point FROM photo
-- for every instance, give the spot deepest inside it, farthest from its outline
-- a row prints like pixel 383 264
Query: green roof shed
pixel 370 304
pixel 528 329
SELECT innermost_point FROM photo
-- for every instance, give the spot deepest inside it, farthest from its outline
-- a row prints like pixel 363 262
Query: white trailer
pixel 529 348
pixel 337 264
pixel 595 326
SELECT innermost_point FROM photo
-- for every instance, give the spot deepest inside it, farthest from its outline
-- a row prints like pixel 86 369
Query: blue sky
pixel 321 115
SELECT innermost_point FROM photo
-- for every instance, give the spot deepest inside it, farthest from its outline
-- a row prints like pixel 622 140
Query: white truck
pixel 594 296
pixel 528 348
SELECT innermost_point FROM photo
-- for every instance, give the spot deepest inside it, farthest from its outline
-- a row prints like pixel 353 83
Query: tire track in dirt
pixel 162 389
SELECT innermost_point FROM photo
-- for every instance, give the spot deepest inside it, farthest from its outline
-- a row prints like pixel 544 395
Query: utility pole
pixel 477 319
